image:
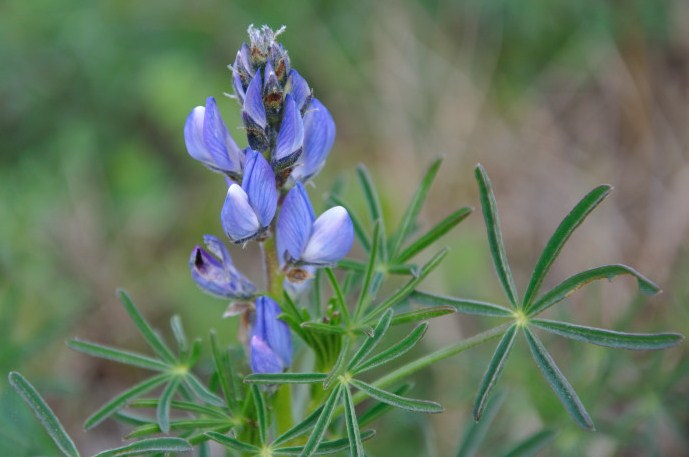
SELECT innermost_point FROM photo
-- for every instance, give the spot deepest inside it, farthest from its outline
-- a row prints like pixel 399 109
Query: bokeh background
pixel 97 190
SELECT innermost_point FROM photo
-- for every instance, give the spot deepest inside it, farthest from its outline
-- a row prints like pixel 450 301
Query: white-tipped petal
pixel 238 217
pixel 331 239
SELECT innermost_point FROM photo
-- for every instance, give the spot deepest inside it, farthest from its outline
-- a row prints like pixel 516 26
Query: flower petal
pixel 272 92
pixel 193 136
pixel 272 330
pixel 291 136
pixel 332 238
pixel 263 358
pixel 215 276
pixel 294 224
pixel 319 136
pixel 259 184
pixel 299 88
pixel 221 146
pixel 253 103
pixel 238 217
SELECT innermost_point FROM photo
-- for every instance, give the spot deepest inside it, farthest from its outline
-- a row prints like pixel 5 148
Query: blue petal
pixel 294 224
pixel 259 185
pixel 332 238
pixel 217 275
pixel 263 358
pixel 241 287
pixel 222 148
pixel 291 136
pixel 238 217
pixel 193 136
pixel 299 89
pixel 253 103
pixel 237 85
pixel 272 330
pixel 319 136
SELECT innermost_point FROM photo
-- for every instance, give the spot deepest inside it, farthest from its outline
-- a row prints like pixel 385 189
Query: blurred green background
pixel 97 190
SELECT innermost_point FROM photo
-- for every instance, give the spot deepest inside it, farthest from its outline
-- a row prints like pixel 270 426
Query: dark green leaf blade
pixel 562 388
pixel 261 413
pixel 163 409
pixel 326 447
pixel 117 355
pixel 320 327
pixel 409 404
pixel 531 445
pixel 475 432
pixel 575 282
pixel 322 423
pixel 202 393
pixel 610 338
pixel 148 446
pixel 393 352
pixel 178 333
pixel 285 378
pixel 224 371
pixel 232 443
pixel 355 444
pixel 412 212
pixel 370 343
pixel 374 206
pixel 435 233
pixel 123 398
pixel 495 367
pixel 299 429
pixel 497 248
pixel 422 314
pixel 462 305
pixel 44 413
pixel 151 337
pixel 366 293
pixel 339 296
pixel 562 233
pixel 378 409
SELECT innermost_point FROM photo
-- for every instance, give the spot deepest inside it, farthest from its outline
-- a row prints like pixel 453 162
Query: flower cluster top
pixel 289 134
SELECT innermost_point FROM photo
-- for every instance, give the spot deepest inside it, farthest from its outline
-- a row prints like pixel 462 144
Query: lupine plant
pixel 338 308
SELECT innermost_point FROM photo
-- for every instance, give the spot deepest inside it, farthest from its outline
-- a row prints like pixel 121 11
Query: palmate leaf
pixel 462 305
pixel 395 351
pixel 435 233
pixel 575 282
pixel 610 338
pixel 475 432
pixel 497 248
pixel 560 237
pixel 370 343
pixel 495 367
pixel 410 404
pixel 322 423
pixel 44 413
pixel 117 355
pixel 412 212
pixel 562 388
pixel 148 446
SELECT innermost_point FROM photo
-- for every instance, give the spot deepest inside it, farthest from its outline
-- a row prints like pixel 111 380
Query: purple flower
pixel 272 92
pixel 290 139
pixel 299 89
pixel 209 141
pixel 319 136
pixel 214 272
pixel 242 72
pixel 254 115
pixel 271 343
pixel 249 209
pixel 304 240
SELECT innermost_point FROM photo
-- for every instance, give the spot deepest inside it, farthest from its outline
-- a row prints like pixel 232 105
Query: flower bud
pixel 215 273
pixel 271 343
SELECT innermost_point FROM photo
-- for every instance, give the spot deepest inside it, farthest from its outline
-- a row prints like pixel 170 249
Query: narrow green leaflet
pixel 404 291
pixel 374 207
pixel 181 425
pixel 224 371
pixel 149 446
pixel 151 337
pixel 261 413
pixel 232 443
pixel 339 363
pixel 178 333
pixel 117 355
pixel 531 445
pixel 560 237
pixel 356 446
pixel 462 305
pixel 497 248
pixel 201 391
pixel 45 415
pixel 378 409
pixel 339 296
pixel 410 215
pixel 433 234
pixel 123 398
pixel 299 429
pixel 163 409
pixel 326 447
pixel 179 405
pixel 410 404
pixel 394 351
pixel 422 314
pixel 475 432
pixel 370 343
pixel 575 282
pixel 321 425
pixel 611 338
pixel 562 388
pixel 495 367
pixel 320 327
pixel 285 378
pixel 366 290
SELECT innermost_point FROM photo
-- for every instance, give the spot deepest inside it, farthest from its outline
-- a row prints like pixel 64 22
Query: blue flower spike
pixel 319 136
pixel 303 240
pixel 271 343
pixel 254 115
pixel 214 272
pixel 290 139
pixel 249 209
pixel 208 140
